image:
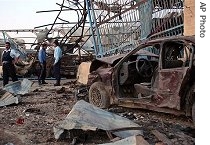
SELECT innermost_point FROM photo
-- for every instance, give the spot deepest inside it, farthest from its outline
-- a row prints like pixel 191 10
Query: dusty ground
pixel 31 121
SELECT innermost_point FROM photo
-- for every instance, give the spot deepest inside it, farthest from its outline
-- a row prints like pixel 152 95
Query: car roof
pixel 171 38
pixel 111 59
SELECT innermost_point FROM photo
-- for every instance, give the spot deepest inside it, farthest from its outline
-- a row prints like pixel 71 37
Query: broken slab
pixel 83 72
pixel 132 140
pixel 85 116
pixel 10 93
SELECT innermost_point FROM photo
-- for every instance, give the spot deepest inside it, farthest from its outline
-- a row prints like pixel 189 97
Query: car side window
pixel 173 55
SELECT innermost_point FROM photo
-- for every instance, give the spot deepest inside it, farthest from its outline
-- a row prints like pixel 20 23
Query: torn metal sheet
pixel 132 140
pixel 86 116
pixel 19 87
pixel 10 94
pixel 7 98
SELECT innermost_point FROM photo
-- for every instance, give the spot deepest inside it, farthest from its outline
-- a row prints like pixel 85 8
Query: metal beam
pixel 53 10
pixel 168 30
pixel 23 30
pixel 50 25
pixel 69 9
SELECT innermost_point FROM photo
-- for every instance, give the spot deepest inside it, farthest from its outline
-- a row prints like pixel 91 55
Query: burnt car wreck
pixel 140 79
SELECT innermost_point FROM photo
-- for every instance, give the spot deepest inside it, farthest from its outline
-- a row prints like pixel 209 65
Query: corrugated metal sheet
pixel 19 87
pixel 7 98
pixel 10 94
pixel 85 116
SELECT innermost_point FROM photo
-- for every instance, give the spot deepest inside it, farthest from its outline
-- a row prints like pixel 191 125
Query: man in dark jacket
pixel 9 57
pixel 42 62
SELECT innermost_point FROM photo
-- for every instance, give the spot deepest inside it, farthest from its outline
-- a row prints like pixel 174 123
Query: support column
pixel 145 14
pixel 189 17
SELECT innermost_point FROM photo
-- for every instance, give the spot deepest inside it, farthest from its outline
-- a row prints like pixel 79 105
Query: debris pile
pixel 49 117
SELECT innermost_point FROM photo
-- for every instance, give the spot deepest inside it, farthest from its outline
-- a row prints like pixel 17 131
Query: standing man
pixel 9 58
pixel 42 62
pixel 57 62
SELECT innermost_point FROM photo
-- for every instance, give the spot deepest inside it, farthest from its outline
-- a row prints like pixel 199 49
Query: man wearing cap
pixel 9 57
pixel 42 62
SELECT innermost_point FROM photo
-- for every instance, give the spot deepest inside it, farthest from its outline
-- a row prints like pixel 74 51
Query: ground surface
pixel 31 121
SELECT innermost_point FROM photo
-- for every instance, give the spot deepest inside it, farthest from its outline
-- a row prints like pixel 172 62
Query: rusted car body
pixel 164 83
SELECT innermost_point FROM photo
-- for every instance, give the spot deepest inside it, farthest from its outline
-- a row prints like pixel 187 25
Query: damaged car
pixel 163 82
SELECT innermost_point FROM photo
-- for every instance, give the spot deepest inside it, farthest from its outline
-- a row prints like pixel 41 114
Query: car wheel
pixel 98 95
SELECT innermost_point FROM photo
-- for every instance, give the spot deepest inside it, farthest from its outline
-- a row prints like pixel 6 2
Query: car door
pixel 174 62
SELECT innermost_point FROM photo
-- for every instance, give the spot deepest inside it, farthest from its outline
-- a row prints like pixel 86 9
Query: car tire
pixel 98 95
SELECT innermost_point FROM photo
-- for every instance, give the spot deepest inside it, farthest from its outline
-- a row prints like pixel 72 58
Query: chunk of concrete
pixel 83 72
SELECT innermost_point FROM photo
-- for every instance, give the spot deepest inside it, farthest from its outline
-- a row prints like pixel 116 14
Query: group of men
pixel 10 57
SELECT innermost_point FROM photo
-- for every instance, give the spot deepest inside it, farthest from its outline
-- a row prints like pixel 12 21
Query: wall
pixel 189 17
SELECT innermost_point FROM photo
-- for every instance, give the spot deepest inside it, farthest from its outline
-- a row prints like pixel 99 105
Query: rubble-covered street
pixel 32 120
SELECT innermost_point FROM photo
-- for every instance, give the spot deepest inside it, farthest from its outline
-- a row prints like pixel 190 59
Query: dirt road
pixel 31 121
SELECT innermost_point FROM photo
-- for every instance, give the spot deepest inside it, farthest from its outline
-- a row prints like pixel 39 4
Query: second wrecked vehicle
pixel 164 83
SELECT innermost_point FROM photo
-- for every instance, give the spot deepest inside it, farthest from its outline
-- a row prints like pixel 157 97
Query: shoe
pixel 44 83
pixel 40 83
pixel 57 83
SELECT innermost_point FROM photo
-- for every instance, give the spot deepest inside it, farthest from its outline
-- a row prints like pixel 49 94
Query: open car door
pixel 175 61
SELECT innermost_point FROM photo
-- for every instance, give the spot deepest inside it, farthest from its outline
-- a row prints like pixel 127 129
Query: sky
pixel 21 14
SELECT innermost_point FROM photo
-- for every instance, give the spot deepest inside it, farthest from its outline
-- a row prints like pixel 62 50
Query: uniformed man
pixel 42 62
pixel 57 62
pixel 9 57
